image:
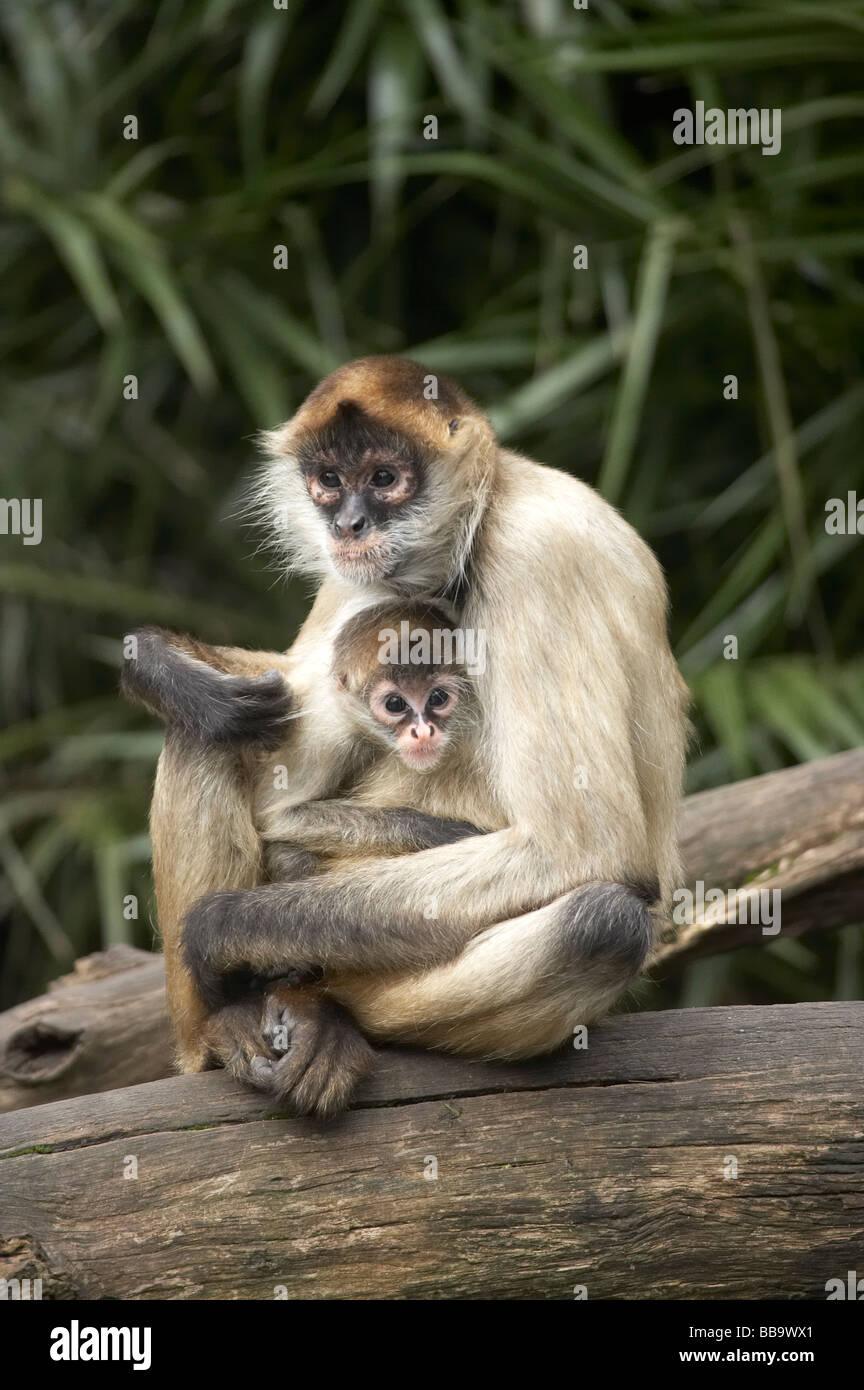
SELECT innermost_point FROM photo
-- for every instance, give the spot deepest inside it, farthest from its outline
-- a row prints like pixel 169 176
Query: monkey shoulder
pixel 552 526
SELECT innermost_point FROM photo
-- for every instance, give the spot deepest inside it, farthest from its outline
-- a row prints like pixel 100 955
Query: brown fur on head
pixel 382 458
pixel 395 392
pixel 396 664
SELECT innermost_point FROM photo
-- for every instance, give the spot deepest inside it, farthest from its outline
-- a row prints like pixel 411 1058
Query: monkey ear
pixel 453 426
pixel 341 680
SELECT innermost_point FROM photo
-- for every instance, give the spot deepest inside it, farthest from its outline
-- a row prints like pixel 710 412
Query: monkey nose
pixel 424 733
pixel 350 526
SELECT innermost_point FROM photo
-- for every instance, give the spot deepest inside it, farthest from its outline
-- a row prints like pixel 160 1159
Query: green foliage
pixel 303 126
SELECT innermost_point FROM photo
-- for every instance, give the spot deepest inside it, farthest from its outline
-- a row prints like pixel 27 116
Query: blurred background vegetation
pixel 302 126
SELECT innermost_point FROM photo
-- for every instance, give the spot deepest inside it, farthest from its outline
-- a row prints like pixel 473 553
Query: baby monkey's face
pixel 412 711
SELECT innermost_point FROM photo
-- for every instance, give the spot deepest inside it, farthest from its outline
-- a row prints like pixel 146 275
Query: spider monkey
pixel 395 488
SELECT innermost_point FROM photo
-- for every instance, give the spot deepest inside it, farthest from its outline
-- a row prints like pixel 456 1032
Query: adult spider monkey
pixel 388 483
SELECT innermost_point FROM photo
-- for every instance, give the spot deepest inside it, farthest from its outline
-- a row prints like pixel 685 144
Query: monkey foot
pixel 321 1054
pixel 233 1036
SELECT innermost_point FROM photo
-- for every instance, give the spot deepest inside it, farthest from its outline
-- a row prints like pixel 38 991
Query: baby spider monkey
pixel 336 738
pixel 396 688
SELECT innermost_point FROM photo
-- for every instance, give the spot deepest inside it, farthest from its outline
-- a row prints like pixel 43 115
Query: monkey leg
pixel 223 696
pixel 520 988
pixel 202 817
pixel 393 914
pixel 215 700
pixel 203 840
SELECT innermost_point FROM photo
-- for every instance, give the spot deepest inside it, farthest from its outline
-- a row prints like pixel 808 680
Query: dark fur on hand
pixel 173 677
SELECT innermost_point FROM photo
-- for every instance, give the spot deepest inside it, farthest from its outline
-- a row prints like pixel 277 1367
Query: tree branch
pixel 459 1180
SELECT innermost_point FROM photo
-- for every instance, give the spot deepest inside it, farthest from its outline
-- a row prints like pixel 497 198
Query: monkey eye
pixel 329 479
pixel 453 426
pixel 438 699
pixel 383 477
pixel 394 704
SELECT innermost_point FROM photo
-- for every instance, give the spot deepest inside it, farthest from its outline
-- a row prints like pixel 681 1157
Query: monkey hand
pixel 285 862
pixel 200 700
pixel 250 710
pixel 237 710
pixel 431 831
pixel 320 1053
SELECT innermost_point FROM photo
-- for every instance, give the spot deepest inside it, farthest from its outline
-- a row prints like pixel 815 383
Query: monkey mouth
pixel 359 561
pixel 422 759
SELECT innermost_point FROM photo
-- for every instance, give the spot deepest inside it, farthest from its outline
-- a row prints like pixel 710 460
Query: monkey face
pixel 381 475
pixel 363 479
pixel 413 714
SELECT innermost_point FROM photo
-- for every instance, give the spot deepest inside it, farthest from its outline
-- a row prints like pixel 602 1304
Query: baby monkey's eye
pixel 383 477
pixel 438 699
pixel 329 479
pixel 394 704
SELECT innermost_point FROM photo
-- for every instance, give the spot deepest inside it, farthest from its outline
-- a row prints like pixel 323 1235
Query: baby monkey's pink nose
pixel 423 732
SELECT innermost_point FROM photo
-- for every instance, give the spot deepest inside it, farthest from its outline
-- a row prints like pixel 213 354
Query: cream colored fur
pixel 576 761
pixel 583 788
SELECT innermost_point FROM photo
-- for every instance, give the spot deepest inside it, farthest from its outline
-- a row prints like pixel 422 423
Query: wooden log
pixel 800 830
pixel 105 1023
pixel 700 1153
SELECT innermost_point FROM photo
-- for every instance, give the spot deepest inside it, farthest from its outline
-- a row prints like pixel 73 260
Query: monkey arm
pixel 334 827
pixel 371 917
pixel 202 816
pixel 214 695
